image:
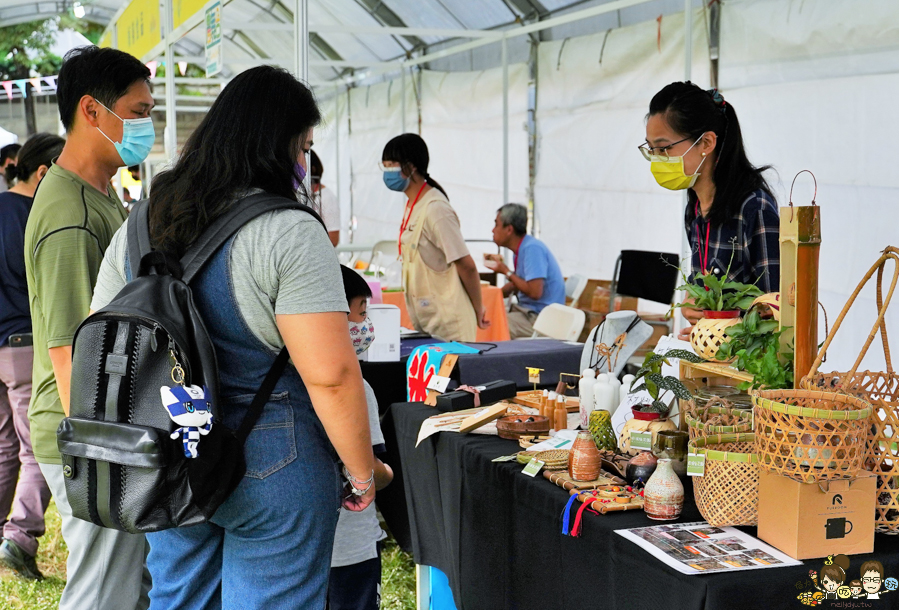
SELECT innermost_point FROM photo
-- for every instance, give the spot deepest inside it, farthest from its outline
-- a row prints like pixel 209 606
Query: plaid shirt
pixel 756 251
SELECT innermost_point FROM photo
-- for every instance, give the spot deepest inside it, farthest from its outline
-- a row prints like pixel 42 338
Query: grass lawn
pixel 397 574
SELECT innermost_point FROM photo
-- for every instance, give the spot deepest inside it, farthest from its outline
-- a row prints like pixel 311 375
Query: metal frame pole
pixel 505 121
pixel 403 98
pixel 686 252
pixel 170 137
pixel 337 143
pixel 301 38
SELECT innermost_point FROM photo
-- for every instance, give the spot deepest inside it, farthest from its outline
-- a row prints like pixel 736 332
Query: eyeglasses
pixel 871 579
pixel 660 153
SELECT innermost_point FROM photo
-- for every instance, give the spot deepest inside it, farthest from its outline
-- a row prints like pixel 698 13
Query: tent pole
pixel 337 144
pixel 170 137
pixel 505 121
pixel 686 252
pixel 301 39
pixel 403 98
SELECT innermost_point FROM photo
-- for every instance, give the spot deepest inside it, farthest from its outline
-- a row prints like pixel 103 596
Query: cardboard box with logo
pixel 810 520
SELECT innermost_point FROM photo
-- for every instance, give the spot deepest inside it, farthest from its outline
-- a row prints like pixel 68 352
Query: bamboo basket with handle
pixel 881 390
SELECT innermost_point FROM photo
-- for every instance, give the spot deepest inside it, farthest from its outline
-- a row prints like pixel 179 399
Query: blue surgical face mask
pixel 393 179
pixel 138 137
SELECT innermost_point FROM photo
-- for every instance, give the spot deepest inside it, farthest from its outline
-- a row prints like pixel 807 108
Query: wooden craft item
pixel 603 505
pixel 446 369
pixel 526 442
pixel 605 480
pixel 533 399
pixel 484 416
pixel 800 244
pixel 513 426
pixel 553 459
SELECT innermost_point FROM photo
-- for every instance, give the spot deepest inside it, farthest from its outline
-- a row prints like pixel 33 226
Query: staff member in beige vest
pixel 440 279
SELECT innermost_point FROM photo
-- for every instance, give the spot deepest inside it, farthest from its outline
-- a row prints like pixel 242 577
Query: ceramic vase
pixel 602 432
pixel 664 494
pixel 584 461
pixel 641 467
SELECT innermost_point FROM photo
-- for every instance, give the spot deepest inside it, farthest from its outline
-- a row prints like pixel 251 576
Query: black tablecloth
pixel 496 533
pixel 500 360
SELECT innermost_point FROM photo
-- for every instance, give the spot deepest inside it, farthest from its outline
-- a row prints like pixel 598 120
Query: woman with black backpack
pixel 277 282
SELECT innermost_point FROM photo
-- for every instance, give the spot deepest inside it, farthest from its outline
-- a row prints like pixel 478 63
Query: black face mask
pixel 10 172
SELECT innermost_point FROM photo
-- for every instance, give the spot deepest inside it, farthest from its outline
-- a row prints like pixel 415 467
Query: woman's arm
pixel 468 273
pixel 320 347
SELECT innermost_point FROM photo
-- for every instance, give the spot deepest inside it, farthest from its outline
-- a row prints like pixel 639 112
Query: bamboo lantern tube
pixel 800 245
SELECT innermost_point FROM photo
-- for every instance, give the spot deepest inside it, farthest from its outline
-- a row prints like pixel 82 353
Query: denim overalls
pixel 269 545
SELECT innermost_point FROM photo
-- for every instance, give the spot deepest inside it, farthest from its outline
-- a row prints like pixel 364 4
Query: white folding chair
pixel 382 254
pixel 560 322
pixel 574 287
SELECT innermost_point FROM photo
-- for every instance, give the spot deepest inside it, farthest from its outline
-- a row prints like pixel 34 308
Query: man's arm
pixel 61 357
pixel 532 289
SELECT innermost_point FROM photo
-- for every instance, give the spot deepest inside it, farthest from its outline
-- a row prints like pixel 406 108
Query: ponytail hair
pixel 40 149
pixel 411 152
pixel 691 111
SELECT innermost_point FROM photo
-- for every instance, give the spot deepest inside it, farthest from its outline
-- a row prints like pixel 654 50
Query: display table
pixel 498 360
pixel 493 303
pixel 496 533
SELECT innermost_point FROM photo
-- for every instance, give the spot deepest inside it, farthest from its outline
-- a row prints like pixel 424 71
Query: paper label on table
pixel 562 439
pixel 438 383
pixel 504 458
pixel 533 467
pixel 695 464
pixel 641 440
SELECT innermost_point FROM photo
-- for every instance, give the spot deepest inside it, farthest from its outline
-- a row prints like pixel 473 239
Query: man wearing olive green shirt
pixel 72 220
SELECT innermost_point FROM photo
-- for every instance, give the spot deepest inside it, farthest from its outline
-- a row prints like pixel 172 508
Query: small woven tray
pixel 564 480
pixel 553 459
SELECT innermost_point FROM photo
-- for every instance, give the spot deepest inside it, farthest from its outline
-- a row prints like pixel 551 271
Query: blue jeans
pixel 269 545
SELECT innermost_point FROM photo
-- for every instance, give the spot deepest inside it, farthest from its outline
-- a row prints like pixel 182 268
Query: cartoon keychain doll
pixel 188 407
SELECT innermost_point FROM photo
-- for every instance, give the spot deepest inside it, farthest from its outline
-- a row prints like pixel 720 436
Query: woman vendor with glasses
pixel 693 142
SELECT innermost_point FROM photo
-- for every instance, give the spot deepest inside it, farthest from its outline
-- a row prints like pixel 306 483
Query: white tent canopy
pixel 811 81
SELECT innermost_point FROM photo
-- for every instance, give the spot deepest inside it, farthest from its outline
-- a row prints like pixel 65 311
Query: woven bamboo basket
pixel 728 491
pixel 717 416
pixel 809 435
pixel 881 389
pixel 708 335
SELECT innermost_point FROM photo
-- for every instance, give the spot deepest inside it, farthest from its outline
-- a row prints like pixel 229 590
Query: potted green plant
pixel 721 301
pixel 754 344
pixel 650 378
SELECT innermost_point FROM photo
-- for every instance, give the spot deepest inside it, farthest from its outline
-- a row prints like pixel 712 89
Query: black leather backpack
pixel 122 469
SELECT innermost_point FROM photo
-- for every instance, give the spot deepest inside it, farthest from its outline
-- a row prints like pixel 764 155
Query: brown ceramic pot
pixel 584 459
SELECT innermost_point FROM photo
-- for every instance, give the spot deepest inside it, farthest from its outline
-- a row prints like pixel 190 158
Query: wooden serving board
pixel 564 480
pixel 531 398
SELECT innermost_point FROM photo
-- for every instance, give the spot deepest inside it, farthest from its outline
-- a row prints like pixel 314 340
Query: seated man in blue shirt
pixel 536 278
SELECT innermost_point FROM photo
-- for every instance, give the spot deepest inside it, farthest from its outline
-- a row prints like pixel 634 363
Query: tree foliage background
pixel 25 51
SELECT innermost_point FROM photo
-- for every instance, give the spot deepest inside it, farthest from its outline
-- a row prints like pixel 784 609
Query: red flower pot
pixel 645 416
pixel 721 315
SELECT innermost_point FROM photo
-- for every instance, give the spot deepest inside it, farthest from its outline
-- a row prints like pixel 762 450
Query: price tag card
pixel 533 374
pixel 438 383
pixel 504 458
pixel 695 464
pixel 533 467
pixel 641 440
